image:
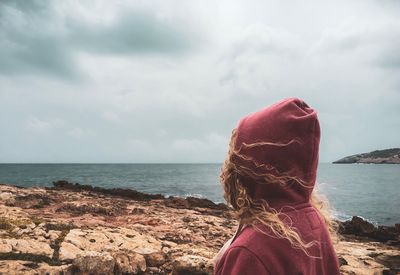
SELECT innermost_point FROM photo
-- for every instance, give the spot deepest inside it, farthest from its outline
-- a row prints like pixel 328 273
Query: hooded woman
pixel 268 179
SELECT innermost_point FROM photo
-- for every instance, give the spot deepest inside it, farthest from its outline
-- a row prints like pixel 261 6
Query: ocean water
pixel 367 190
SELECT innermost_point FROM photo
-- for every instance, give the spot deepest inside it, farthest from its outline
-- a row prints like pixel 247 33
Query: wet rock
pixel 192 202
pixel 385 233
pixel 126 193
pixel 357 226
pixel 360 227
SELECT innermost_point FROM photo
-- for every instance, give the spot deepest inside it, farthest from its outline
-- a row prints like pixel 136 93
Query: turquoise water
pixel 367 190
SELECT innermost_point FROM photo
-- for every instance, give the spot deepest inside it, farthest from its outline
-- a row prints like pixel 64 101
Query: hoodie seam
pixel 313 146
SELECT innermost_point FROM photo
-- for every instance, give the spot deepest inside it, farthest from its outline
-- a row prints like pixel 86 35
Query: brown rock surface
pixel 79 229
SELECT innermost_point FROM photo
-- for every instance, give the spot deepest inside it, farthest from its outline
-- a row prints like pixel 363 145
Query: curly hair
pixel 257 211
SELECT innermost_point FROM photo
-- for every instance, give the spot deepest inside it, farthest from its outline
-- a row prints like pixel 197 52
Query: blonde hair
pixel 257 211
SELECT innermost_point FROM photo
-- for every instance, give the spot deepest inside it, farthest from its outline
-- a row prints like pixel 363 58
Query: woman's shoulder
pixel 252 252
pixel 242 260
pixel 256 238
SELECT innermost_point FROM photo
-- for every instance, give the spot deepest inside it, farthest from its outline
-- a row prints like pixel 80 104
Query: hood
pixel 290 133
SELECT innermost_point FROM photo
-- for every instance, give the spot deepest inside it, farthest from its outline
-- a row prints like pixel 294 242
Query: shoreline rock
pixel 79 229
pixel 387 156
pixel 177 202
pixel 359 227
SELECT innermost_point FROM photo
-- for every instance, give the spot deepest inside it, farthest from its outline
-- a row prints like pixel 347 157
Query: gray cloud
pixel 134 32
pixel 34 6
pixel 36 38
pixel 27 42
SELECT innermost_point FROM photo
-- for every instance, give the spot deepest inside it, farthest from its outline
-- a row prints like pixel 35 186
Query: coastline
pixel 75 229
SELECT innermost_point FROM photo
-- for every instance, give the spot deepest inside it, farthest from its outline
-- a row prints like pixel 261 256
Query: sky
pixel 167 81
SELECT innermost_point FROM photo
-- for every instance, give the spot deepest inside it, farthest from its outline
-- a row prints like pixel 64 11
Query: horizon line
pixel 124 162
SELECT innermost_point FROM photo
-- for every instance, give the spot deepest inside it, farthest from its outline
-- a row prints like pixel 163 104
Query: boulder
pixel 192 265
pixel 360 227
pixel 94 263
pixel 69 251
pixel 156 259
pixel 129 263
pixel 29 246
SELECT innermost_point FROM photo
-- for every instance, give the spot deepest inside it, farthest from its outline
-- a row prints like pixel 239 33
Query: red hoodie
pixel 291 130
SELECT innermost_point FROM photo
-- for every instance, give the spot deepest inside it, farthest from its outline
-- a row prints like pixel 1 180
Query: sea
pixel 370 191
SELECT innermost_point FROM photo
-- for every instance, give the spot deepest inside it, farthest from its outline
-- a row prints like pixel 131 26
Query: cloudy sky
pixel 166 81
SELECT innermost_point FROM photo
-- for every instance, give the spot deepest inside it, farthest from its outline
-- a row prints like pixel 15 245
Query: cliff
pixel 80 229
pixel 387 156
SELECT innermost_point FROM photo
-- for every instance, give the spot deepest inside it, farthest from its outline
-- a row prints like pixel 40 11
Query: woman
pixel 268 179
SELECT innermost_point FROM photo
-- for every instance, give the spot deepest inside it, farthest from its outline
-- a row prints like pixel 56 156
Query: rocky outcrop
pixel 360 227
pixel 120 192
pixel 82 230
pixel 387 156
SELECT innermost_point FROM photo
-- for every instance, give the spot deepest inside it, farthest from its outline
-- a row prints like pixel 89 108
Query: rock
pixel 53 234
pixel 105 239
pixel 169 244
pixel 137 211
pixel 176 202
pixel 192 202
pixel 30 246
pixel 31 225
pixel 147 236
pixel 192 265
pixel 153 270
pixel 126 193
pixel 38 231
pixel 357 226
pixel 6 196
pixel 5 247
pixel 342 261
pixel 29 267
pixel 155 259
pixel 32 200
pixel 80 209
pixel 129 263
pixel 385 233
pixel 360 227
pixel 69 251
pixel 21 232
pixel 387 156
pixel 94 263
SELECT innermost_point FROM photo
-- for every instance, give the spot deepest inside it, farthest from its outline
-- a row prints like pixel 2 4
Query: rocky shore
pixel 80 229
pixel 387 156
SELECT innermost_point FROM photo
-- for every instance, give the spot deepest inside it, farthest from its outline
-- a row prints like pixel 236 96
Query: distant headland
pixel 387 156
